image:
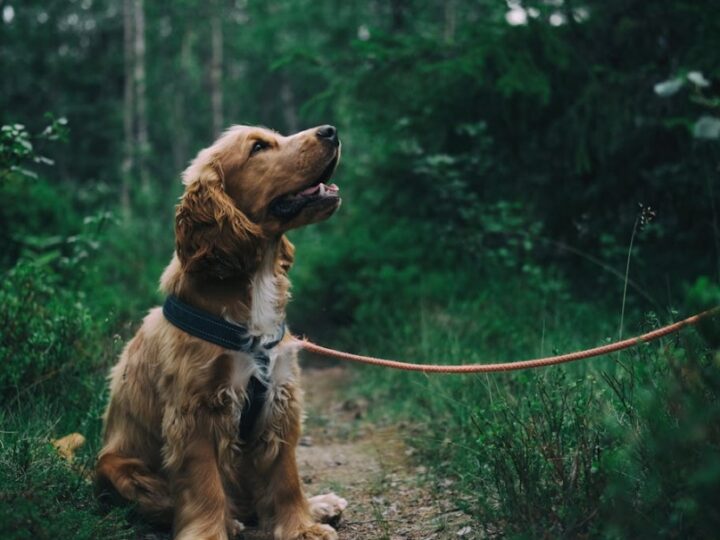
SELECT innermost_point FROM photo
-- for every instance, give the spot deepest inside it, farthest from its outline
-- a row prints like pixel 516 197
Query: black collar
pixel 217 330
pixel 213 329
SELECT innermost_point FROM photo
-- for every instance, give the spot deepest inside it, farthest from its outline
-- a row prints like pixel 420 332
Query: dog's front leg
pixel 283 498
pixel 201 507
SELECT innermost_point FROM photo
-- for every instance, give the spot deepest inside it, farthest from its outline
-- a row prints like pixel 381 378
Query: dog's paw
pixel 315 531
pixel 235 528
pixel 327 508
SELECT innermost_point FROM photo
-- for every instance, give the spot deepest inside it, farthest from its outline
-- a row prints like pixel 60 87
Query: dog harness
pixel 217 330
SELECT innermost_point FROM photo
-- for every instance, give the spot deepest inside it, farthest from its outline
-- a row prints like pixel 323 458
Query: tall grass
pixel 75 283
pixel 609 447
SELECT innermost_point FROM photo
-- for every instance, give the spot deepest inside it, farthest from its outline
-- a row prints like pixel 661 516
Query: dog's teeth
pixel 322 189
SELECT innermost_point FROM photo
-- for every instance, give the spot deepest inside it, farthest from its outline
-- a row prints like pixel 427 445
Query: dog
pixel 205 407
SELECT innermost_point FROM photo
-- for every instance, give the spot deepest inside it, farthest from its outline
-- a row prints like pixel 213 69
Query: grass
pixel 41 496
pixel 66 309
pixel 577 450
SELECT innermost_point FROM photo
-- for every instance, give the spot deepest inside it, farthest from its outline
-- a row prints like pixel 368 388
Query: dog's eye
pixel 259 146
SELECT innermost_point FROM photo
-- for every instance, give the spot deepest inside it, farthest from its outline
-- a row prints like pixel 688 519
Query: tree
pixel 216 92
pixel 143 141
pixel 128 162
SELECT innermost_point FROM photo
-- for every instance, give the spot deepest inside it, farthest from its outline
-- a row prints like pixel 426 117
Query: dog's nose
pixel 329 133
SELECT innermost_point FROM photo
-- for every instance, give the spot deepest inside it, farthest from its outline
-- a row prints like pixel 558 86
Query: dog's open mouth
pixel 315 193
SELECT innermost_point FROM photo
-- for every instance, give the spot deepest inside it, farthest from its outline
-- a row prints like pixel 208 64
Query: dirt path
pixel 370 467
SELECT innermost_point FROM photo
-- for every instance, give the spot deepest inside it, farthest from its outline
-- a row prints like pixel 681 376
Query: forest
pixel 520 178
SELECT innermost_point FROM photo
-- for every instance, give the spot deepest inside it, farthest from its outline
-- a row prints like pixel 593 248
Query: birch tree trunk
pixel 128 162
pixel 216 92
pixel 143 145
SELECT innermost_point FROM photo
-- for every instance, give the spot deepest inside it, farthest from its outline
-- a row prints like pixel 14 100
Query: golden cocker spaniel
pixel 205 406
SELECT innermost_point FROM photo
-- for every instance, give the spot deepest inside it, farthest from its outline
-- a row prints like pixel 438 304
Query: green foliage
pixel 605 448
pixel 34 209
pixel 37 213
pixel 46 331
pixel 703 295
pixel 15 145
pixel 537 456
pixel 491 179
pixel 62 300
pixel 43 498
pixel 664 475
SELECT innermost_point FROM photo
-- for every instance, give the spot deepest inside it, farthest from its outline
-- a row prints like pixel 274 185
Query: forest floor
pixel 390 497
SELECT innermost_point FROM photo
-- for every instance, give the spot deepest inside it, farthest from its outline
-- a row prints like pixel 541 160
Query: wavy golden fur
pixel 171 441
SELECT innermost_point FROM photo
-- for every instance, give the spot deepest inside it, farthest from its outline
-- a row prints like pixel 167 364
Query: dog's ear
pixel 212 235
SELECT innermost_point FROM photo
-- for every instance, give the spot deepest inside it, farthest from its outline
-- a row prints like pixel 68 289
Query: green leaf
pixel 669 87
pixel 707 127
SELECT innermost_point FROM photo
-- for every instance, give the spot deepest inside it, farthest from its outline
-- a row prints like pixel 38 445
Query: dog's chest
pixel 262 402
pixel 263 324
pixel 278 372
pixel 276 367
pixel 265 315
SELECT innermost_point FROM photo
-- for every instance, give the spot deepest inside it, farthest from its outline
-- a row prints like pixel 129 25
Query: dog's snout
pixel 329 133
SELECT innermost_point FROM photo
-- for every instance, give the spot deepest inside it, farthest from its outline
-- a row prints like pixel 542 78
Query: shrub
pixel 46 330
pixel 664 467
pixel 41 497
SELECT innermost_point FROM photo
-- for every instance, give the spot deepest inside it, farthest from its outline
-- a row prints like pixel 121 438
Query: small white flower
pixel 698 79
pixel 707 127
pixel 669 87
pixel 363 32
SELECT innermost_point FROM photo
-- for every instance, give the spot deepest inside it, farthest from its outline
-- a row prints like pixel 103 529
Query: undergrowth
pixel 613 447
pixel 75 284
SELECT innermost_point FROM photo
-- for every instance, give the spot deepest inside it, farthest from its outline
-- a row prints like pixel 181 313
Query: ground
pixel 389 496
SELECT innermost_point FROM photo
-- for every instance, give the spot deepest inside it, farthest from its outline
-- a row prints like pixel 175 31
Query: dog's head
pixel 250 186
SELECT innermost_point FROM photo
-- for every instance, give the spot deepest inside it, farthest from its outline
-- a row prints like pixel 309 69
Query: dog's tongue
pixel 322 188
pixel 310 190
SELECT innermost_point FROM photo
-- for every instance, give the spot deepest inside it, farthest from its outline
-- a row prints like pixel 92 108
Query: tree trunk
pixel 128 162
pixel 143 144
pixel 397 15
pixel 450 21
pixel 179 148
pixel 216 92
pixel 181 84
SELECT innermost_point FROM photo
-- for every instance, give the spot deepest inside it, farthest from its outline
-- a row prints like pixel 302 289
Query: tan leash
pixel 510 366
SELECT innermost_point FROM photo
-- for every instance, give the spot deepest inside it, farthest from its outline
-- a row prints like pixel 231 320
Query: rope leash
pixel 509 366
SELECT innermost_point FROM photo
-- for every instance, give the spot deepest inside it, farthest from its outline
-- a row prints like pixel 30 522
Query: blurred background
pixel 519 177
